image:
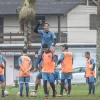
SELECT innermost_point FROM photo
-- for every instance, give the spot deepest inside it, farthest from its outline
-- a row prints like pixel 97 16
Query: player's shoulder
pixel 51 32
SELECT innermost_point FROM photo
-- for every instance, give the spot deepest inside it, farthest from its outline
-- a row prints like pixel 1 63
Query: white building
pixel 72 17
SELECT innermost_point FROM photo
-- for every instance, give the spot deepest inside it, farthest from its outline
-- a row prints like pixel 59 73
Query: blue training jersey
pixel 47 38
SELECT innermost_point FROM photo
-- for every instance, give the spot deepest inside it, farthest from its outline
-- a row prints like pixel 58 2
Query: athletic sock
pixel 21 89
pixel 27 88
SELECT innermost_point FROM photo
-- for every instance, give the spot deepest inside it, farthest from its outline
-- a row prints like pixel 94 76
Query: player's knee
pixel 3 84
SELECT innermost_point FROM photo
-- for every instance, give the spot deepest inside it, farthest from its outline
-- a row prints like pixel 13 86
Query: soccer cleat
pixel 53 96
pixel 2 95
pixel 45 97
pixel 68 95
pixel 60 95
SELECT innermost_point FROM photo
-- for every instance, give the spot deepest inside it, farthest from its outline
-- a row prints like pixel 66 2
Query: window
pixel 77 70
pixel 37 18
pixel 83 69
pixel 93 21
pixel 1 28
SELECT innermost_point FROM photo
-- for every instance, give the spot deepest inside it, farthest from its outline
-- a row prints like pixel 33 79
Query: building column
pixel 59 29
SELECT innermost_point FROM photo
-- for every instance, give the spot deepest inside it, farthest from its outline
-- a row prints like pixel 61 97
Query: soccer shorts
pixel 48 76
pixel 90 79
pixel 56 74
pixel 24 79
pixel 66 76
pixel 2 78
pixel 39 76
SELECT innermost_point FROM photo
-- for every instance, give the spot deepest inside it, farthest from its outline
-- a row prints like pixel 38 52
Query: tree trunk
pixel 25 36
pixel 98 42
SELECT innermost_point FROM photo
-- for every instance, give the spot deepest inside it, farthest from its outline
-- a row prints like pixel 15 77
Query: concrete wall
pixel 78 25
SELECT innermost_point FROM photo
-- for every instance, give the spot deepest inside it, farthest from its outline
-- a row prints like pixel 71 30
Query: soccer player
pixel 47 37
pixel 25 65
pixel 48 69
pixel 66 61
pixel 90 72
pixel 2 78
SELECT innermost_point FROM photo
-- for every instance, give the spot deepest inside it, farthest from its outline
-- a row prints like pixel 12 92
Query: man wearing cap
pixel 66 61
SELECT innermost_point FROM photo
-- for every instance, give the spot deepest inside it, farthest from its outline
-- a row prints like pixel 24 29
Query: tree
pixel 26 16
pixel 98 41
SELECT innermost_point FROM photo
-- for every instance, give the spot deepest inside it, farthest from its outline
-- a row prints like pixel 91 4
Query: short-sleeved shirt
pixel 1 60
pixel 46 38
pixel 25 62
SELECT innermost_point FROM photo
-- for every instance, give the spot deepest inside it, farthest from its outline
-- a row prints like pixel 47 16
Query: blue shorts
pixel 2 78
pixel 48 76
pixel 24 79
pixel 66 82
pixel 66 76
pixel 39 76
pixel 90 79
pixel 56 74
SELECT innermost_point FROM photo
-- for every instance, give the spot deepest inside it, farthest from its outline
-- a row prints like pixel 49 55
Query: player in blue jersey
pixel 47 37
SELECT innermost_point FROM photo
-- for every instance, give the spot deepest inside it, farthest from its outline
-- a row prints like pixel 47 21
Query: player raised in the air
pixel 90 72
pixel 25 65
pixel 47 37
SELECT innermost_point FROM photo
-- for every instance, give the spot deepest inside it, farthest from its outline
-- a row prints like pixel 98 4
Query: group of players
pixel 48 60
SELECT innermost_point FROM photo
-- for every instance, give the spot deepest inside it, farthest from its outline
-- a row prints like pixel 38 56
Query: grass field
pixel 79 92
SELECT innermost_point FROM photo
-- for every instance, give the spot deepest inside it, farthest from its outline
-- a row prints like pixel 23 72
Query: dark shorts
pixel 39 76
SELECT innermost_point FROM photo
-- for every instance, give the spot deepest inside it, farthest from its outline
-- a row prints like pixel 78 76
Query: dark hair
pixel 88 53
pixel 65 46
pixel 44 46
pixel 24 50
pixel 47 24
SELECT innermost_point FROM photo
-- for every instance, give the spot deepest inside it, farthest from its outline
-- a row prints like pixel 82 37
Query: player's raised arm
pixel 37 26
pixel 61 59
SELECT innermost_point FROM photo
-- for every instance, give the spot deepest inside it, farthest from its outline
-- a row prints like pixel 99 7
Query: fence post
pixel 10 37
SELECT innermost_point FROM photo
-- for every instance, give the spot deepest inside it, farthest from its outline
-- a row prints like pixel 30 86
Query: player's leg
pixel 38 80
pixel 21 83
pixel 27 80
pixel 48 87
pixel 62 83
pixel 45 79
pixel 51 80
pixel 91 82
pixel 69 77
pixel 3 84
pixel 66 85
pixel 38 58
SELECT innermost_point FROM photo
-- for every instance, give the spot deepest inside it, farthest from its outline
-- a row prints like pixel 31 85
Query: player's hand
pixel 36 56
pixel 53 44
pixel 35 70
pixel 40 22
pixel 25 72
pixel 85 75
pixel 59 82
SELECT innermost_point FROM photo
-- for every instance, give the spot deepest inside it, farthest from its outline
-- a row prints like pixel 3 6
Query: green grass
pixel 79 92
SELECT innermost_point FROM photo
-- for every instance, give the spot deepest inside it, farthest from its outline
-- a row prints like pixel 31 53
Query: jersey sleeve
pixel 19 60
pixel 1 59
pixel 61 58
pixel 40 32
pixel 53 35
pixel 31 62
pixel 91 61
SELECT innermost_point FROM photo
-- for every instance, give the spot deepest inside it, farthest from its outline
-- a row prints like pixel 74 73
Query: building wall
pixel 78 25
pixel 9 69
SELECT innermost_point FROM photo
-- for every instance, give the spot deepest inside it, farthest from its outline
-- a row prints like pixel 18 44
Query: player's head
pixel 64 47
pixel 24 51
pixel 87 55
pixel 45 47
pixel 46 27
